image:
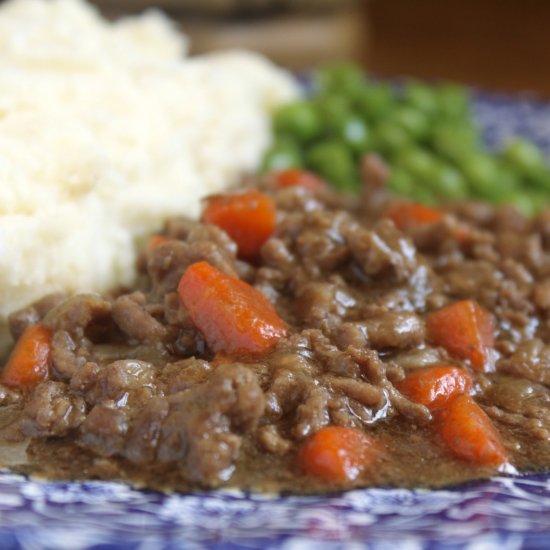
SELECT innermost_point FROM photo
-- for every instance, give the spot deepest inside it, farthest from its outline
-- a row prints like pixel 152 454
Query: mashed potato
pixel 106 129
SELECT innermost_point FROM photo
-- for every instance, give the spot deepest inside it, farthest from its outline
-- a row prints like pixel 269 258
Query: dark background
pixel 494 44
pixel 497 44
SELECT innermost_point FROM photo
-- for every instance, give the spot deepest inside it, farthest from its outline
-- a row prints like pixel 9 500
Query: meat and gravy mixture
pixel 352 342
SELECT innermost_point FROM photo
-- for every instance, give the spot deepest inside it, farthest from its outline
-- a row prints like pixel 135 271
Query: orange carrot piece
pixel 465 330
pixel 233 316
pixel 248 217
pixel 295 177
pixel 436 386
pixel 336 453
pixel 468 433
pixel 29 362
pixel 409 214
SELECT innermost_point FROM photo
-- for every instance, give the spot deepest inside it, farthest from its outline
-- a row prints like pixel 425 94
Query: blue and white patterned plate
pixel 504 513
pixel 501 116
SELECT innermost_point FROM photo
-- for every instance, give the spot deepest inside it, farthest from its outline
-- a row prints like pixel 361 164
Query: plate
pixel 505 513
pixel 501 116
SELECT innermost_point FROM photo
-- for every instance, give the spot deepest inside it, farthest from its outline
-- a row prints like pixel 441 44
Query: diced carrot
pixel 248 217
pixel 29 362
pixel 156 240
pixel 336 453
pixel 468 432
pixel 465 330
pixel 233 316
pixel 295 177
pixel 435 386
pixel 409 214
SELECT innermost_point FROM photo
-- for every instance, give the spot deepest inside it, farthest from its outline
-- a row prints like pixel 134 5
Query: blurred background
pixel 495 44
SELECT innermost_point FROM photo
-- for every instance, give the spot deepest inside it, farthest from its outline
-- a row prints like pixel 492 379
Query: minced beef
pixel 136 393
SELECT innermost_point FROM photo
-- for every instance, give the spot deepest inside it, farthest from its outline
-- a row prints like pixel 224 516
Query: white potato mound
pixel 107 129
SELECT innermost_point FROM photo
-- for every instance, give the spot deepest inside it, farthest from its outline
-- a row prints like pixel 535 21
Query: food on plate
pixel 426 133
pixel 351 349
pixel 303 330
pixel 249 218
pixel 107 129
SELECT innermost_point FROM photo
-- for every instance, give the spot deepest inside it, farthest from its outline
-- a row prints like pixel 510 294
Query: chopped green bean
pixel 390 137
pixel 342 78
pixel 524 202
pixel 331 109
pixel 401 182
pixel 454 141
pixel 448 182
pixel 453 101
pixel 353 131
pixel 425 132
pixel 527 160
pixel 375 101
pixel 421 97
pixel 417 162
pixel 281 155
pixel 333 160
pixel 413 121
pixel 298 119
pixel 482 174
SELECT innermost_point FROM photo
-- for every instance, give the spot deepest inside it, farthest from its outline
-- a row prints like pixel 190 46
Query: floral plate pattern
pixel 504 513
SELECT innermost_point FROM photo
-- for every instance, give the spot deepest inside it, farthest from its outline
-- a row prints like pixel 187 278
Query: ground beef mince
pixel 413 349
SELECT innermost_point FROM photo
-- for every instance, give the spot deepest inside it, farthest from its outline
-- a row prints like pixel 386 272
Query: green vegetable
pixel 453 101
pixel 482 174
pixel 425 132
pixel 333 161
pixel 331 110
pixel 299 120
pixel 448 182
pixel 526 203
pixel 421 97
pixel 454 140
pixel 281 155
pixel 401 182
pixel 375 101
pixel 390 137
pixel 355 133
pixel 417 162
pixel 413 121
pixel 340 122
pixel 527 160
pixel 343 78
